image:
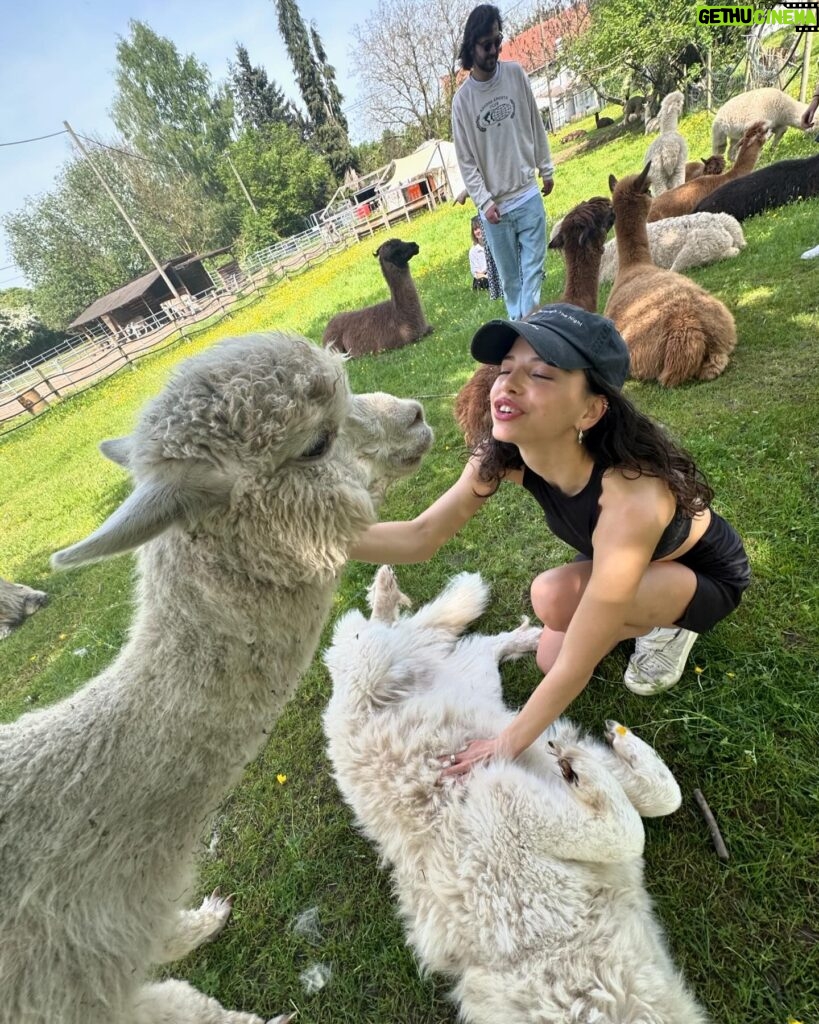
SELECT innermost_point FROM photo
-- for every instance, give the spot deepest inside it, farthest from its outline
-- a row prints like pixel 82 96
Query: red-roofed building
pixel 559 95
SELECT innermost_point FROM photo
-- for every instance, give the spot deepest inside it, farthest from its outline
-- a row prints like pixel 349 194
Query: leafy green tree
pixel 166 108
pixel 316 81
pixel 259 101
pixel 286 179
pixel 22 335
pixel 652 47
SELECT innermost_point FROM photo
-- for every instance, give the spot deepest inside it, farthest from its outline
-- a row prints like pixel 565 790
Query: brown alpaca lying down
pixel 391 324
pixel 675 330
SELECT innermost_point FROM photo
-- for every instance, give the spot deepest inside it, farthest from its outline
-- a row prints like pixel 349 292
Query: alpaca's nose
pixel 416 412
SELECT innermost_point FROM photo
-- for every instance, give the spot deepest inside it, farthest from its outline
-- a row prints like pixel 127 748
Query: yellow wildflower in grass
pixel 698 670
pixel 281 779
pixel 63 636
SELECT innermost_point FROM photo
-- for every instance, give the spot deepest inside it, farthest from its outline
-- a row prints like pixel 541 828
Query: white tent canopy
pixel 433 155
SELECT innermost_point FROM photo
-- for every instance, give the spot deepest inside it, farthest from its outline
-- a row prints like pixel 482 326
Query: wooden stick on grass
pixel 713 828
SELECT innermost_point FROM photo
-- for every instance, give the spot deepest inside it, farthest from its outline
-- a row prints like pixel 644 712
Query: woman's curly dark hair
pixel 622 437
pixel 479 23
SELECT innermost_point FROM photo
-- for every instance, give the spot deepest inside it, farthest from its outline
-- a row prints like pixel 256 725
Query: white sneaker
pixel 811 254
pixel 658 660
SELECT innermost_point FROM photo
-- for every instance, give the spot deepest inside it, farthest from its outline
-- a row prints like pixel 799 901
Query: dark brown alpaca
pixel 684 198
pixel 391 324
pixel 708 165
pixel 582 237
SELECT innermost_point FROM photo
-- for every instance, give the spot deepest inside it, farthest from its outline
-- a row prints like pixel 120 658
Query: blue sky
pixel 57 64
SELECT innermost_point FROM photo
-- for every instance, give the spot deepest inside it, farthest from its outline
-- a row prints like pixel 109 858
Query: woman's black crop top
pixel 573 517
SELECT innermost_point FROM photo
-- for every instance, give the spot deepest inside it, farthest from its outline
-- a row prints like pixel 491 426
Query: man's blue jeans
pixel 518 245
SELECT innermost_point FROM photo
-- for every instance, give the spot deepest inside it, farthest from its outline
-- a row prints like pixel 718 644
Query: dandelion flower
pixel 281 779
pixel 698 670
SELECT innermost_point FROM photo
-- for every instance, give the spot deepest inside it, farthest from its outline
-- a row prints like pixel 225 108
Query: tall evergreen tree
pixel 316 81
pixel 259 101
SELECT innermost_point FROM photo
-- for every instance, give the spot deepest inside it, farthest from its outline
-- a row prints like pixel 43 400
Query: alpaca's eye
pixel 320 447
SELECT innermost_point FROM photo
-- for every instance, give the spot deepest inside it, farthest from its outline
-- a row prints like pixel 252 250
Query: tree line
pixel 180 142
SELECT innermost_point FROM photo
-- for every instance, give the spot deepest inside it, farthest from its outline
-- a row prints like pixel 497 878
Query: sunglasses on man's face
pixel 490 44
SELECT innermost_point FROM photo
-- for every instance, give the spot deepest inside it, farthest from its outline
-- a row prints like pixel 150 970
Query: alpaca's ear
pixel 144 514
pixel 117 449
pixel 612 182
pixel 641 183
pixel 185 489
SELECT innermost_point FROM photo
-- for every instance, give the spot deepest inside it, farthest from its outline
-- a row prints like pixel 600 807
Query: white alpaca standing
pixel 679 243
pixel 668 153
pixel 775 108
pixel 254 470
pixel 525 882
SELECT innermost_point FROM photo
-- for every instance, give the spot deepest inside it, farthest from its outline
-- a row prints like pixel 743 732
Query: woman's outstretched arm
pixel 416 540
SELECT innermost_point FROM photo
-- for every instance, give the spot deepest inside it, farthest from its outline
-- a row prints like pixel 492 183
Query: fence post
pixel 45 379
pixel 124 354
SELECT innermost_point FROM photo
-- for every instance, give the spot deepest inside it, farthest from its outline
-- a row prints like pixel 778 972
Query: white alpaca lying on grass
pixel 524 883
pixel 255 470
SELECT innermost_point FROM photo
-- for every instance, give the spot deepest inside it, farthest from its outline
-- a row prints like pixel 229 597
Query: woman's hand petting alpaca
pixel 476 752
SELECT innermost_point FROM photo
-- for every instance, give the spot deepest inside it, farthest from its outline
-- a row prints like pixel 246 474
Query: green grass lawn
pixel 743 725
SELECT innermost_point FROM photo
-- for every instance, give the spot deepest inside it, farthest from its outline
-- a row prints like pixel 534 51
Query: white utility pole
pixel 121 209
pixel 803 85
pixel 242 184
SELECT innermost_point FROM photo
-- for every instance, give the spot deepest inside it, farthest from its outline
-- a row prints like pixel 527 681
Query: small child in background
pixel 477 257
pixel 484 271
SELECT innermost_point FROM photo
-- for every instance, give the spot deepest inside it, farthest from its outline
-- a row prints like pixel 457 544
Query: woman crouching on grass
pixel 655 562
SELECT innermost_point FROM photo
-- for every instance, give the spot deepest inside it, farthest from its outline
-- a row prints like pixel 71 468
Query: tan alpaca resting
pixel 685 197
pixel 582 237
pixel 675 330
pixel 391 324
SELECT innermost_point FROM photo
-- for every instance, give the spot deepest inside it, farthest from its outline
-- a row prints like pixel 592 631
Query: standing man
pixel 501 145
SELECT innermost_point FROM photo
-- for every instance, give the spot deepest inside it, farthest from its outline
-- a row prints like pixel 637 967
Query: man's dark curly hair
pixel 623 437
pixel 478 24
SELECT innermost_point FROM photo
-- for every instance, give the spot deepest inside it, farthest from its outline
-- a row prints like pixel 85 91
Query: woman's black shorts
pixel 719 562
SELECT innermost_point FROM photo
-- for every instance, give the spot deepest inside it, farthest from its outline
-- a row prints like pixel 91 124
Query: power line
pixel 37 138
pixel 115 149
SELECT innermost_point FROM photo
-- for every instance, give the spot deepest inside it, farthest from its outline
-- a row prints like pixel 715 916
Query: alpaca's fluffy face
pixel 388 437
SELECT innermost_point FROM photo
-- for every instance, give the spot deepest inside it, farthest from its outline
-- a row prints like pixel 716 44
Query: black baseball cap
pixel 563 335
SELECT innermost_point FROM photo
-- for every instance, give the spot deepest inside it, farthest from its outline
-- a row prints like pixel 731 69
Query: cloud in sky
pixel 57 63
